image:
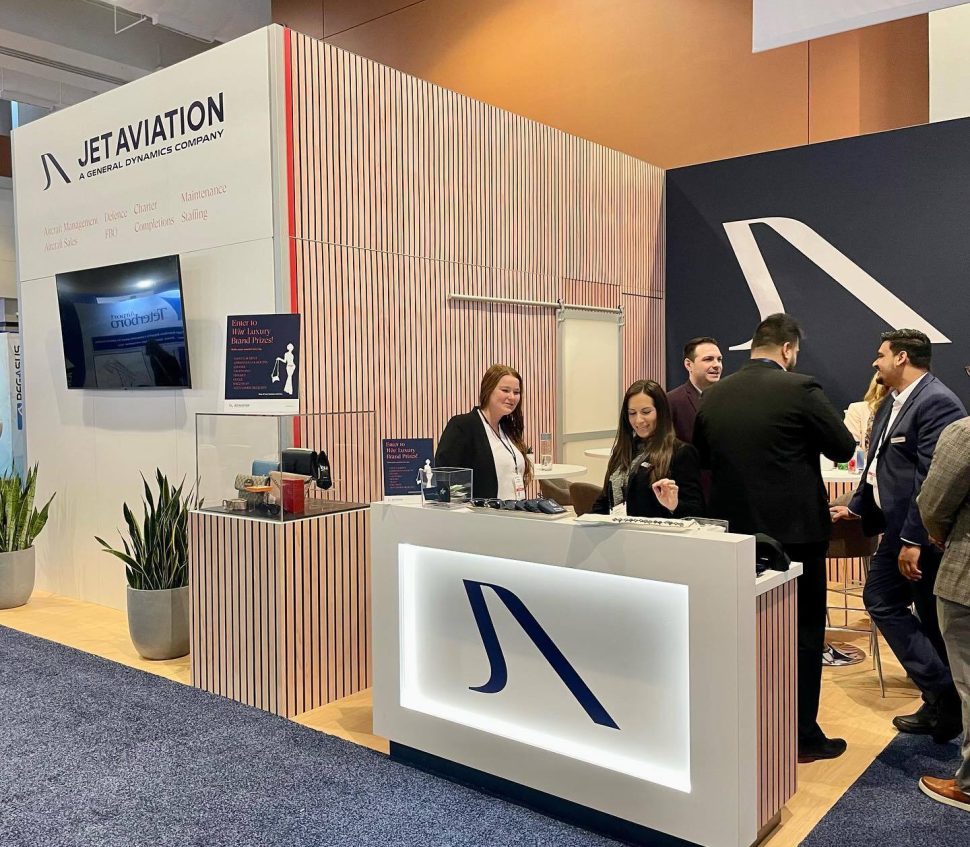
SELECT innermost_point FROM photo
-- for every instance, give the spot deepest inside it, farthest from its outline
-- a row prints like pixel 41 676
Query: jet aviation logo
pixel 836 264
pixel 49 157
pixel 499 674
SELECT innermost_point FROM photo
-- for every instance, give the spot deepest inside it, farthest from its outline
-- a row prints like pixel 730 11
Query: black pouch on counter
pixel 769 554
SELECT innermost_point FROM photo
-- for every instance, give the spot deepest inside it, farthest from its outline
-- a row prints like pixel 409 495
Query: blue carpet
pixel 885 808
pixel 97 754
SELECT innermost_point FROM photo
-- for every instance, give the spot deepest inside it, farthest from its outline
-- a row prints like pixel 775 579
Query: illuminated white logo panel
pixel 592 666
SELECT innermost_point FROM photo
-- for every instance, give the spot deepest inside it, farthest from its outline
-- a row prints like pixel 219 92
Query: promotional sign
pixel 12 445
pixel 263 363
pixel 515 649
pixel 407 465
pixel 780 22
pixel 852 237
pixel 93 181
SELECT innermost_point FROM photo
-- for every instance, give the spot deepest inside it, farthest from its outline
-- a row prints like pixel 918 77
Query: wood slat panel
pixel 388 162
pixel 777 641
pixel 837 569
pixel 643 240
pixel 279 612
pixel 643 338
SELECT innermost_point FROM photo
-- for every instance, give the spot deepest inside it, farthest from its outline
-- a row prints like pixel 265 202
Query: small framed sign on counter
pixel 407 465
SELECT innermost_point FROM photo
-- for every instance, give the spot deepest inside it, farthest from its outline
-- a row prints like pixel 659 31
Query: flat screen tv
pixel 123 326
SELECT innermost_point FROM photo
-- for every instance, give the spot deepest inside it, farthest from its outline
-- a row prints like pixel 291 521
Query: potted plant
pixel 156 564
pixel 20 524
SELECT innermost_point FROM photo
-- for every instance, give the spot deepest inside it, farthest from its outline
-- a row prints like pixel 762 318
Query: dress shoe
pixel 820 748
pixel 949 718
pixel 945 791
pixel 921 722
pixel 942 720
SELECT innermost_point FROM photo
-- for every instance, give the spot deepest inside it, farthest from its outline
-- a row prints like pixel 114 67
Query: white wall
pixel 950 63
pixel 92 445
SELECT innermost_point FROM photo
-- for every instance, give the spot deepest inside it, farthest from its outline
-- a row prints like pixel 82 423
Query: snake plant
pixel 20 522
pixel 155 552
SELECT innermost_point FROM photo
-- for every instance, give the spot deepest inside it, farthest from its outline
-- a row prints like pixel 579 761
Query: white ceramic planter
pixel 16 577
pixel 158 622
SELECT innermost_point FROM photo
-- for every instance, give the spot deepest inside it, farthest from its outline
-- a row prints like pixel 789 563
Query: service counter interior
pixel 616 677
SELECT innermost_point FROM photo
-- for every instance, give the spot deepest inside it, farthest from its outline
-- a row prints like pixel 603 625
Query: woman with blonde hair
pixel 859 416
pixel 489 438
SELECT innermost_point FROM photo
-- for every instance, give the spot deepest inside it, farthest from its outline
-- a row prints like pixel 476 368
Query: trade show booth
pixel 420 236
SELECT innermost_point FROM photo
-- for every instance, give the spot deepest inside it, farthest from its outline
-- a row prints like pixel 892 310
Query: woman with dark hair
pixel 488 439
pixel 656 475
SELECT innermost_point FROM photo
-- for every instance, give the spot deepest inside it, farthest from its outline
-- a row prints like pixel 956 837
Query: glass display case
pixel 285 467
pixel 450 488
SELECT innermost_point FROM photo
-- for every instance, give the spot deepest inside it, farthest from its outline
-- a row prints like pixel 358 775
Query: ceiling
pixel 212 20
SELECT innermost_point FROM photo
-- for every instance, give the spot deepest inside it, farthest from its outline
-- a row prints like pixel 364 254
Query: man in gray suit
pixel 944 505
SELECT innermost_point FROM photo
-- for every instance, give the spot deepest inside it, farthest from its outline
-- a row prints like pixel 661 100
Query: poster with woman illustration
pixel 263 363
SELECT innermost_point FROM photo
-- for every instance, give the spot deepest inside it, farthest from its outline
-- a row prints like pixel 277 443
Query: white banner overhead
pixel 781 22
pixel 170 163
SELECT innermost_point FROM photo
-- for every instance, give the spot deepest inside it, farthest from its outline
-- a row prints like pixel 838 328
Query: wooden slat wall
pixel 407 192
pixel 278 615
pixel 777 641
pixel 851 569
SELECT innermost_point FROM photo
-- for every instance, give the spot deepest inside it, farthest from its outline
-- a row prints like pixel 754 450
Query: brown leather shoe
pixel 945 791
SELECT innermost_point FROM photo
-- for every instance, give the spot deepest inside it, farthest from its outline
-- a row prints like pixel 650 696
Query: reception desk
pixel 634 682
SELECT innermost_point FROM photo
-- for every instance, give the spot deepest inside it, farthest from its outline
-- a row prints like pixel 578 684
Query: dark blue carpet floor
pixel 885 808
pixel 96 754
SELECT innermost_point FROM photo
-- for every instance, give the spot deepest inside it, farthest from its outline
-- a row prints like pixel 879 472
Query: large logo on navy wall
pixel 852 237
pixel 499 674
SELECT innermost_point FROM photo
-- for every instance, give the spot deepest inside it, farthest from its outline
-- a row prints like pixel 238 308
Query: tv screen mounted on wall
pixel 123 326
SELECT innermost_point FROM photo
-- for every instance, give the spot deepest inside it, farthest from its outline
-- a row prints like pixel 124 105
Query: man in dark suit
pixel 702 359
pixel 761 431
pixel 904 434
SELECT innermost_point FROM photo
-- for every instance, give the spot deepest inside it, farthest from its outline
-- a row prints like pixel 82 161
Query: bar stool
pixel 848 542
pixel 583 495
pixel 556 489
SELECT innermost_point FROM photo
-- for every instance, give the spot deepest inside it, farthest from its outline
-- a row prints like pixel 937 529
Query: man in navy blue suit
pixel 903 569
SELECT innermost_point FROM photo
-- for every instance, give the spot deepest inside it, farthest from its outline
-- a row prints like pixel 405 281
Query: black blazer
pixel 641 502
pixel 760 431
pixel 464 444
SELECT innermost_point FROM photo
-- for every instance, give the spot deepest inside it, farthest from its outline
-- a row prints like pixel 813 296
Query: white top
pixel 509 460
pixel 899 400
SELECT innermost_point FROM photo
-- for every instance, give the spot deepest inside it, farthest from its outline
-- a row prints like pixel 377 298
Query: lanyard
pixel 502 440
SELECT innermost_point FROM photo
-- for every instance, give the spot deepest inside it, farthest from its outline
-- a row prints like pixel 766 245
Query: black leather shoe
pixel 921 722
pixel 949 718
pixel 820 748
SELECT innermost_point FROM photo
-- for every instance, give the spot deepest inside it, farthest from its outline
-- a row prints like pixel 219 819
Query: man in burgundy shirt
pixel 702 359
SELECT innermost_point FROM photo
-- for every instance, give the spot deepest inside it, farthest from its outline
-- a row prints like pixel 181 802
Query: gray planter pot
pixel 158 622
pixel 16 577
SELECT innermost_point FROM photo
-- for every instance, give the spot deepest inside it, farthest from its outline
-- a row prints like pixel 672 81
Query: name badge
pixel 899 439
pixel 519 485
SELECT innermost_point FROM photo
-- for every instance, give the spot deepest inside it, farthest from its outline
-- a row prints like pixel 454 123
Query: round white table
pixel 598 452
pixel 559 471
